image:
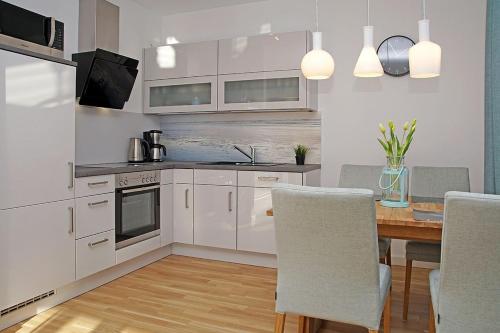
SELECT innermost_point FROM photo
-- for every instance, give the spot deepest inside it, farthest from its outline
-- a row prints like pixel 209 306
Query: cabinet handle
pixel 230 201
pixel 98 242
pixel 71 175
pixel 186 201
pixel 93 204
pixel 267 178
pixel 98 183
pixel 71 220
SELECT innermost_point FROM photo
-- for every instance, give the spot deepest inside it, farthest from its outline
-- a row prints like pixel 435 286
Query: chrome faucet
pixel 252 153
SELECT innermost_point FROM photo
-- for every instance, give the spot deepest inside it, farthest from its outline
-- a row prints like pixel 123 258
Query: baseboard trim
pixel 238 257
pixel 84 285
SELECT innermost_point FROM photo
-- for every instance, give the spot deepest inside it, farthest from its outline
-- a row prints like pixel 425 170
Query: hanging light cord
pixel 317 17
pixel 424 9
pixel 368 12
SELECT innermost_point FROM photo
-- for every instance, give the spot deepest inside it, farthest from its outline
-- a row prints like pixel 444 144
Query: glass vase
pixel 394 183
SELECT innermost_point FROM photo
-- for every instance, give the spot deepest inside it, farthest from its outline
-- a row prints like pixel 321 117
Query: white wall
pixel 449 109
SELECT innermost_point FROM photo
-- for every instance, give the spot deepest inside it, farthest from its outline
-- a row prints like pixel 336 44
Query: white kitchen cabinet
pixel 279 90
pixel 95 214
pixel 183 213
pixel 37 130
pixel 166 214
pixel 255 228
pixel 183 176
pixel 262 53
pixel 181 60
pixel 94 185
pixel 167 176
pixel 95 253
pixel 195 94
pixel 215 216
pixel 37 247
pixel 268 179
pixel 215 177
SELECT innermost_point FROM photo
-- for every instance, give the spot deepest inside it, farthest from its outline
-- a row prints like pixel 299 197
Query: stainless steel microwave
pixel 24 29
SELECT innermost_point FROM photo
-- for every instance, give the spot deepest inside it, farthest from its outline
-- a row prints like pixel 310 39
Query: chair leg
pixel 406 300
pixel 388 258
pixel 279 323
pixel 387 313
pixel 432 323
pixel 303 324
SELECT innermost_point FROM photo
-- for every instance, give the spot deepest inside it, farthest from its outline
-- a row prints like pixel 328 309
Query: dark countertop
pixel 115 168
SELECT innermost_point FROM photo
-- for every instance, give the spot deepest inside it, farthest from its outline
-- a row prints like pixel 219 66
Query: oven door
pixel 137 215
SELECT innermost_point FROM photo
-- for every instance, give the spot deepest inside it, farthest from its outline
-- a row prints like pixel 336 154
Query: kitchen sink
pixel 239 163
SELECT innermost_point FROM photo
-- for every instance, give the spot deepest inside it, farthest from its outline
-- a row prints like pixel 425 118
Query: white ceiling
pixel 168 7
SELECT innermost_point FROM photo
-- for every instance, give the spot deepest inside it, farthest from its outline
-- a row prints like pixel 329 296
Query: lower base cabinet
pixel 37 250
pixel 166 214
pixel 95 253
pixel 183 213
pixel 215 216
pixel 255 228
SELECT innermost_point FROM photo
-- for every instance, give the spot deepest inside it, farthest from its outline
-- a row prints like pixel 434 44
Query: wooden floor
pixel 181 294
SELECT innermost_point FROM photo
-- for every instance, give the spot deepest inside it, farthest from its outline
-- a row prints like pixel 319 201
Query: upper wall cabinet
pixel 256 73
pixel 262 53
pixel 181 78
pixel 193 94
pixel 180 61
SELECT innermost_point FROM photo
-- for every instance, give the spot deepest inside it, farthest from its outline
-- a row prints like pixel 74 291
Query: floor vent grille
pixel 26 303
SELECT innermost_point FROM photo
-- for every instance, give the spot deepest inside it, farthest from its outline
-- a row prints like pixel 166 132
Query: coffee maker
pixel 157 151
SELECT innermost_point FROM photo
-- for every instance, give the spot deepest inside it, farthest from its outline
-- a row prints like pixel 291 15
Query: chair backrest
pixel 327 250
pixel 361 176
pixel 434 182
pixel 469 287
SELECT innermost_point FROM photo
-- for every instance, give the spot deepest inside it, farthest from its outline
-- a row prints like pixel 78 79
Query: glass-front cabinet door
pixel 263 91
pixel 196 94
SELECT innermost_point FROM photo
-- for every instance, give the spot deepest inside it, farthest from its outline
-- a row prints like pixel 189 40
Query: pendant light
pixel 317 64
pixel 368 64
pixel 425 56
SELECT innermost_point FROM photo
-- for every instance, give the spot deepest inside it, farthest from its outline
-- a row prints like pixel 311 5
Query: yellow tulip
pixel 405 126
pixel 391 125
pixel 382 128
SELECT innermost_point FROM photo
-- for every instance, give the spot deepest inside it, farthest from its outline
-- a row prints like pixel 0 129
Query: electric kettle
pixel 138 150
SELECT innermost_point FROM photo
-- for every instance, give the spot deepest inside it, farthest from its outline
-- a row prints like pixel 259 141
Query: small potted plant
pixel 300 154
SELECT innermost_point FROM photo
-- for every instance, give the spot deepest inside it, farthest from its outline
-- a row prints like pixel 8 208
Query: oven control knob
pixel 143 180
pixel 121 183
pixel 125 182
pixel 151 179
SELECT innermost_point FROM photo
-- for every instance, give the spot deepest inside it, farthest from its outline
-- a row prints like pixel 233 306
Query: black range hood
pixel 104 79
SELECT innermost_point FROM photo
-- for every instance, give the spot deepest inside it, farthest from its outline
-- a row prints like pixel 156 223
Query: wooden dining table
pixel 400 223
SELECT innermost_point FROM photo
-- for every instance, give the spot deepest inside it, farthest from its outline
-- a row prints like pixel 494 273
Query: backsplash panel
pixel 211 137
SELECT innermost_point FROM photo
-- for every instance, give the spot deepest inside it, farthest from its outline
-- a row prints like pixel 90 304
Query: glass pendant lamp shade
pixel 368 64
pixel 317 64
pixel 425 56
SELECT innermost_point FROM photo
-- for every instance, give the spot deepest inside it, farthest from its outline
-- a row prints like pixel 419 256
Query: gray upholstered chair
pixel 367 176
pixel 326 241
pixel 429 184
pixel 465 291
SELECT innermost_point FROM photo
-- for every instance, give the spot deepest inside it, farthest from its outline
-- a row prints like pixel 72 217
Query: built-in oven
pixel 137 207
